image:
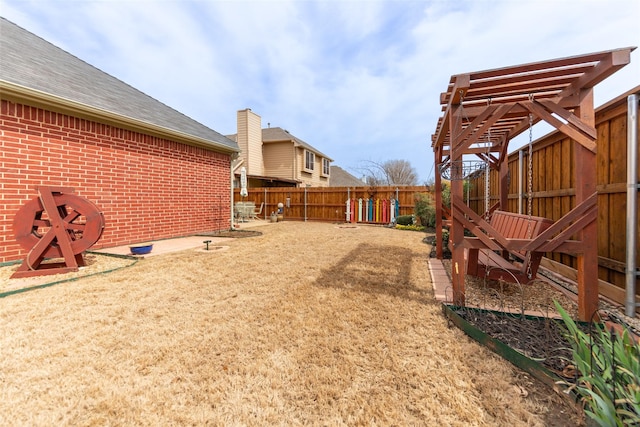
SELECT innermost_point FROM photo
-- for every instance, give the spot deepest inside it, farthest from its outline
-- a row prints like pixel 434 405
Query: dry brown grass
pixel 309 324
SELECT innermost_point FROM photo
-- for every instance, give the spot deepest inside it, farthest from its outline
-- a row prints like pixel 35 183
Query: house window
pixel 309 159
pixel 326 167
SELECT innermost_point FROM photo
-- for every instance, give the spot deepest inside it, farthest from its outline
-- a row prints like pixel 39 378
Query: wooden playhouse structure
pixel 482 112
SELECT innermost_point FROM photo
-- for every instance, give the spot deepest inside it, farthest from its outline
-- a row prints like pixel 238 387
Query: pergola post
pixel 456 233
pixel 585 164
pixel 504 182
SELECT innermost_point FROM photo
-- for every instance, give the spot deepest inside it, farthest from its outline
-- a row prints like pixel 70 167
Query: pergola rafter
pixel 483 111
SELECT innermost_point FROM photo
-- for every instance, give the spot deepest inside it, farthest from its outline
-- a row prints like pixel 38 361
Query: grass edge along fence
pixel 330 203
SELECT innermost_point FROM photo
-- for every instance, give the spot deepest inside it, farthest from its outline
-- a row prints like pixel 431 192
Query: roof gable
pixel 341 178
pixel 32 63
pixel 277 134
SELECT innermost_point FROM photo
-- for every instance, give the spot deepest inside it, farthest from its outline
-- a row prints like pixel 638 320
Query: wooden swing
pixel 559 92
pixel 503 262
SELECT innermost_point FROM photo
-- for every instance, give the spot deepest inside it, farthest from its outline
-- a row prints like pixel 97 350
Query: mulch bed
pixel 501 304
pixel 539 338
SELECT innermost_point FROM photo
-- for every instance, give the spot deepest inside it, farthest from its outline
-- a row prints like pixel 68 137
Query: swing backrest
pixel 519 226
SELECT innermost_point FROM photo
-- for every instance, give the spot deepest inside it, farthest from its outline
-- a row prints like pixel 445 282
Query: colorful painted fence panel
pixel 329 203
pixel 374 211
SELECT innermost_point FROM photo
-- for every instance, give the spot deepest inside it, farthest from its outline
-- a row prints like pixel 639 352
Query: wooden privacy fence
pixel 330 203
pixel 552 169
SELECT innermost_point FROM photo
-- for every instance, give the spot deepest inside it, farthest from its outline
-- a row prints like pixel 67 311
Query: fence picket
pixel 366 204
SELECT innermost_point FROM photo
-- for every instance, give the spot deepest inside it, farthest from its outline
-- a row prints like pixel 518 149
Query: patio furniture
pixel 243 211
pixel 257 212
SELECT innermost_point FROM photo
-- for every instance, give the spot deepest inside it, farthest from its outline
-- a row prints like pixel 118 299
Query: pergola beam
pixel 590 131
pixel 491 116
pixel 568 129
pixel 613 61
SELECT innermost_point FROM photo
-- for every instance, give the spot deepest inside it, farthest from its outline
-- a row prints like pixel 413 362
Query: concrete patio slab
pixel 166 246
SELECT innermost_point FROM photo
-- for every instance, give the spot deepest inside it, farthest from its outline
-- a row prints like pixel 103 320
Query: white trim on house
pixel 326 167
pixel 309 161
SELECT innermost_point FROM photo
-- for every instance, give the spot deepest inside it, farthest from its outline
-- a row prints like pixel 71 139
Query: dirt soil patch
pixel 310 324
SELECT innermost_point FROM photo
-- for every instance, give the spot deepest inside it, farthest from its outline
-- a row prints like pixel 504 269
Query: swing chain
pixel 487 181
pixel 487 172
pixel 530 170
pixel 530 186
pixel 487 185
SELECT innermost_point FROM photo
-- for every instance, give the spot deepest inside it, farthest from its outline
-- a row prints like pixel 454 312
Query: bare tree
pixel 400 172
pixel 390 172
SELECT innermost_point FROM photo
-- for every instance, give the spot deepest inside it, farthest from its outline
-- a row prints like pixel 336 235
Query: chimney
pixel 250 141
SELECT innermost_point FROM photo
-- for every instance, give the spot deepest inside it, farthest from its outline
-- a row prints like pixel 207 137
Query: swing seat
pixel 509 265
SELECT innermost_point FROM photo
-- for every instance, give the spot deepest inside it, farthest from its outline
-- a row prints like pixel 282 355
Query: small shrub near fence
pixel 404 220
pixel 425 209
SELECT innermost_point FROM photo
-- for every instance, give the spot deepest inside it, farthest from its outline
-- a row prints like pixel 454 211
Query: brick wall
pixel 147 187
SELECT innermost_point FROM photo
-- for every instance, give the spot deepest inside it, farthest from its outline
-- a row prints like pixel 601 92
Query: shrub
pixel 609 367
pixel 424 209
pixel 446 193
pixel 404 220
pixel 445 237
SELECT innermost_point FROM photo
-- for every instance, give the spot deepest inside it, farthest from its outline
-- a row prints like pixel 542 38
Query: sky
pixel 358 80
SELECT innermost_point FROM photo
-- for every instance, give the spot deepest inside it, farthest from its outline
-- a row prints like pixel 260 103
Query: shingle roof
pixel 341 178
pixel 279 134
pixel 33 63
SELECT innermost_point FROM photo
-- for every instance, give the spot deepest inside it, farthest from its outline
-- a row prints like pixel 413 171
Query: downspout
pixel 632 203
pixel 234 157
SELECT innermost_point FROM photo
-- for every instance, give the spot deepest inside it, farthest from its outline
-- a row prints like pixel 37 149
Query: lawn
pixel 308 324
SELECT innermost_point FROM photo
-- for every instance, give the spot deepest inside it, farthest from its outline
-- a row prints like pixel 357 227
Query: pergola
pixel 482 112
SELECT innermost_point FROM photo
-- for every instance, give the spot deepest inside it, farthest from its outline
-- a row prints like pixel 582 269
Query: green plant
pixel 445 237
pixel 609 367
pixel 424 209
pixel 446 193
pixel 404 220
pixel 412 227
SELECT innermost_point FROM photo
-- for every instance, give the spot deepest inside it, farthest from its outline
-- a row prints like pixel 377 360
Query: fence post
pixel 347 217
pixel 632 204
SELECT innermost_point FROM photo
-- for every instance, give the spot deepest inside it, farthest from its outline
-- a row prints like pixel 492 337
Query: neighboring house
pixel 342 178
pixel 273 157
pixel 152 171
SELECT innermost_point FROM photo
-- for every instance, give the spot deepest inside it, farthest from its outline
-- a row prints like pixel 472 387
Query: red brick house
pixel 154 172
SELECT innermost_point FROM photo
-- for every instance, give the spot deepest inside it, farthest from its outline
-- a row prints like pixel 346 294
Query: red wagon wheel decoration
pixel 56 224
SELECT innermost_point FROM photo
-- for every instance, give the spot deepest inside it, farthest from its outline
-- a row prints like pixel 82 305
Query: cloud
pixel 359 80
